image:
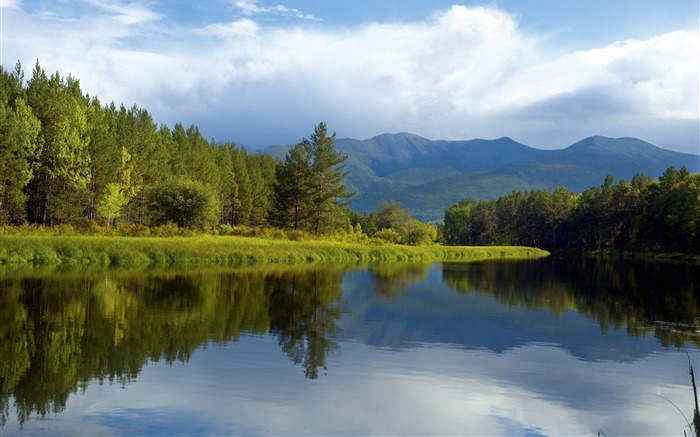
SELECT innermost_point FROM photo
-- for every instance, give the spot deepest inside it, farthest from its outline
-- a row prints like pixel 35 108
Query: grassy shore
pixel 107 251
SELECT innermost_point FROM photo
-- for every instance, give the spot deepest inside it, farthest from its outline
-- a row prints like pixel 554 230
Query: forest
pixel 67 159
pixel 644 215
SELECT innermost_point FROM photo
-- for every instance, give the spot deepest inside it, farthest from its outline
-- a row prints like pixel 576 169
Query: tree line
pixel 68 159
pixel 646 214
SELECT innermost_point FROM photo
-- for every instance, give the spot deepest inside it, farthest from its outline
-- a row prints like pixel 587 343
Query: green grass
pixel 86 250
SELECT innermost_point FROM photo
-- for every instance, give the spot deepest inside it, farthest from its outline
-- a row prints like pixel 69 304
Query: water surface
pixel 545 347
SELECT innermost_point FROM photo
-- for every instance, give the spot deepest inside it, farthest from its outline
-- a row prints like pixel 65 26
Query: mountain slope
pixel 427 176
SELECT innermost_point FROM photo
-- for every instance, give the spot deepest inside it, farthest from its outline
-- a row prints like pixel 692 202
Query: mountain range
pixel 426 176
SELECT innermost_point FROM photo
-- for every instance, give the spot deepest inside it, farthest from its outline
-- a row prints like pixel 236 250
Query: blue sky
pixel 264 72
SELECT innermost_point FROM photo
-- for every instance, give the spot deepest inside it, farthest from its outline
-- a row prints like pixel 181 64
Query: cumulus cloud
pixel 460 73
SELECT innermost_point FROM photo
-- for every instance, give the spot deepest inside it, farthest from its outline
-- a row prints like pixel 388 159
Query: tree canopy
pixel 66 158
pixel 309 192
pixel 660 215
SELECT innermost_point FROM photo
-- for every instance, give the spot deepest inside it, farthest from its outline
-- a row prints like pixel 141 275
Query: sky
pixel 546 73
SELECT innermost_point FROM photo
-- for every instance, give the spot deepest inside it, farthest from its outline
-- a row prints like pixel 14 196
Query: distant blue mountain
pixel 426 176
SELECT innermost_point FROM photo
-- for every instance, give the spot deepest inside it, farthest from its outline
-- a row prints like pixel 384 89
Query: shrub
pixel 186 203
pixel 389 235
pixel 132 230
pixel 166 230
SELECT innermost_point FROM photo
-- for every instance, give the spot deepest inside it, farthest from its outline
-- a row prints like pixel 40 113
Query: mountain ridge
pixel 426 176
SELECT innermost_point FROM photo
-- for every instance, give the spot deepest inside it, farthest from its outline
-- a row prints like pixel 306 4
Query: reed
pixel 209 250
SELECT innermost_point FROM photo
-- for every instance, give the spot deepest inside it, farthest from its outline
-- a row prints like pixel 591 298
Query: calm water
pixel 547 347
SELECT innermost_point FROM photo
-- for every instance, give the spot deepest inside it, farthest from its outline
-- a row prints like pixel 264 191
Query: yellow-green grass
pixel 226 251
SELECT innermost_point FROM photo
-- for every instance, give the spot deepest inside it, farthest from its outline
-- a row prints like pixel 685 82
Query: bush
pixel 186 203
pixel 132 230
pixel 419 233
pixel 169 230
pixel 389 235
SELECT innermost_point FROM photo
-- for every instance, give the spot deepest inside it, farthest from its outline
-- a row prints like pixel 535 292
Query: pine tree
pixel 19 133
pixel 58 192
pixel 104 153
pixel 139 135
pixel 229 189
pixel 310 189
pixel 243 203
pixel 293 204
pixel 329 208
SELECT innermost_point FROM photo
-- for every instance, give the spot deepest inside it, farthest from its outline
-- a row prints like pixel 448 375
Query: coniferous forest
pixel 68 159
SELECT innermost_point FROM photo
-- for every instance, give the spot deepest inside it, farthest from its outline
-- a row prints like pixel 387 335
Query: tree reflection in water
pixel 62 331
pixel 638 296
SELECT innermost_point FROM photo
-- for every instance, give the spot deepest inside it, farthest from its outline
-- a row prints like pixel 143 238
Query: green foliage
pixel 328 175
pixel 393 224
pixel 309 191
pixel 19 147
pixel 58 191
pixel 112 202
pixel 188 204
pixel 646 215
pixel 117 195
pixel 293 190
pixel 104 154
pixel 390 236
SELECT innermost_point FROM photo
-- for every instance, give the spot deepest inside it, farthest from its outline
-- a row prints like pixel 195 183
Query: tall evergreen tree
pixel 294 189
pixel 261 169
pixel 104 153
pixel 229 189
pixel 139 135
pixel 328 175
pixel 19 134
pixel 243 203
pixel 58 192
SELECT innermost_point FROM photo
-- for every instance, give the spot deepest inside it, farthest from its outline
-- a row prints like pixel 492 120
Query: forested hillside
pixel 426 176
pixel 67 158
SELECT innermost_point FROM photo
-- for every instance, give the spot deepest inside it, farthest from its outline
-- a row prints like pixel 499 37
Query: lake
pixel 537 348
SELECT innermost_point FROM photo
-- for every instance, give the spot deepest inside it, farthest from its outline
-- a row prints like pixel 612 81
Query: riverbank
pixel 108 251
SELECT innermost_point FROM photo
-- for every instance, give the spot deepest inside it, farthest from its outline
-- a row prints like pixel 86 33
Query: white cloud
pixel 462 73
pixel 127 13
pixel 10 4
pixel 250 7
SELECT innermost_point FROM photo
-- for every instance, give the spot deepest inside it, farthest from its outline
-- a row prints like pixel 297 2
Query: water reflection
pixel 620 294
pixel 303 315
pixel 71 332
pixel 67 330
pixel 392 280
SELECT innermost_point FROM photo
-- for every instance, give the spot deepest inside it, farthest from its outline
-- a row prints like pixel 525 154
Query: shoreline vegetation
pixel 22 249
